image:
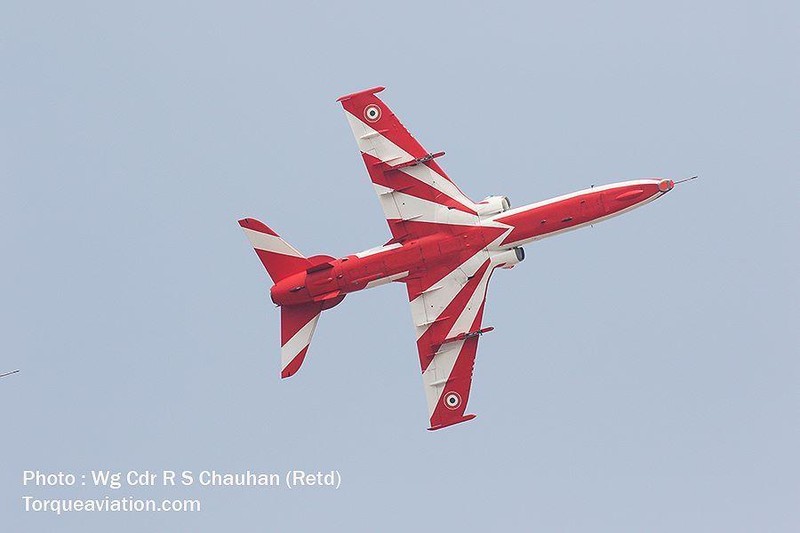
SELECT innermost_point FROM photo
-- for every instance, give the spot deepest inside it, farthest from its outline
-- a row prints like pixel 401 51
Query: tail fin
pixel 278 256
pixel 298 323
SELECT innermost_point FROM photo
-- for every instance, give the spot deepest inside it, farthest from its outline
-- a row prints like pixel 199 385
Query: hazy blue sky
pixel 643 374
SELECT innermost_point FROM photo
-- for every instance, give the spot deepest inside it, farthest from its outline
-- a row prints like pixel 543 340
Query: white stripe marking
pixel 300 340
pixel 428 306
pixel 572 195
pixel 270 243
pixel 373 143
pixel 438 372
pixel 387 279
pixel 378 249
pixel 509 245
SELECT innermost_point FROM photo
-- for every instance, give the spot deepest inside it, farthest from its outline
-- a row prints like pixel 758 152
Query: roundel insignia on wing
pixel 372 113
pixel 452 400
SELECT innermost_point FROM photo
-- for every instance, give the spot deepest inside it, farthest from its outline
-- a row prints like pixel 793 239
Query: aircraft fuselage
pixel 333 278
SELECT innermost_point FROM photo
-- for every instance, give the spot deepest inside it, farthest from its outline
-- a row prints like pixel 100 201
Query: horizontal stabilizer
pixel 279 257
pixel 298 323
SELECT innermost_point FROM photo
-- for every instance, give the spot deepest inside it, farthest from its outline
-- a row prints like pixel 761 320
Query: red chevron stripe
pixel 432 339
pixel 460 380
pixel 407 184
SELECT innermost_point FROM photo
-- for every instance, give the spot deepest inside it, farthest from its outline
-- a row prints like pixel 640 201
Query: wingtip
pixel 464 418
pixel 373 90
pixel 292 369
pixel 256 225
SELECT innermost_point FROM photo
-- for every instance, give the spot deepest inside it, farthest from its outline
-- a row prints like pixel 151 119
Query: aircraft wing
pixel 414 191
pixel 447 308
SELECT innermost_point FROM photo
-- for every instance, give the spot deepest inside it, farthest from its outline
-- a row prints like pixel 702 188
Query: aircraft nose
pixel 665 185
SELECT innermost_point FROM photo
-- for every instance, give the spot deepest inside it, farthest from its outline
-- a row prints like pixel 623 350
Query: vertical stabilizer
pixel 279 257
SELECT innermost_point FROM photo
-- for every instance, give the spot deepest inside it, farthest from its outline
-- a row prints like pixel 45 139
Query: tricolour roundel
pixel 452 400
pixel 372 113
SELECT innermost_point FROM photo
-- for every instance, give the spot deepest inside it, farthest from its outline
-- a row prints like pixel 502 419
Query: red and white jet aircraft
pixel 444 247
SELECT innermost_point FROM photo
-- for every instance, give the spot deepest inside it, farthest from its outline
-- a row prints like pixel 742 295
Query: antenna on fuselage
pixel 9 373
